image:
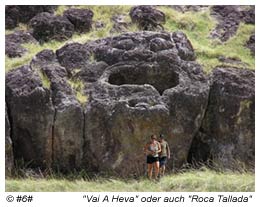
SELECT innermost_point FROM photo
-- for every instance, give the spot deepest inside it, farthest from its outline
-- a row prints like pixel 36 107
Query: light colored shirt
pixel 164 146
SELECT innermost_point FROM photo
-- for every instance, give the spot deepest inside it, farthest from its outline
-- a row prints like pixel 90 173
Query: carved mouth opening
pixel 160 79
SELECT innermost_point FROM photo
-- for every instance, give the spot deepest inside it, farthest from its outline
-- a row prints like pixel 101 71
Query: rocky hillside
pixel 87 85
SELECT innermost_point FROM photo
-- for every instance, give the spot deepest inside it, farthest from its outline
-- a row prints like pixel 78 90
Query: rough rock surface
pixel 13 43
pixel 147 17
pixel 80 18
pixel 31 115
pixel 229 18
pixel 23 13
pixel 67 131
pixel 139 95
pixel 11 17
pixel 251 44
pixel 13 50
pixel 9 158
pixel 46 26
pixel 248 16
pixel 73 56
pixel 227 134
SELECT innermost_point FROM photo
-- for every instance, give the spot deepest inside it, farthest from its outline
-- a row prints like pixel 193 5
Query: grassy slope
pixel 197 181
pixel 196 25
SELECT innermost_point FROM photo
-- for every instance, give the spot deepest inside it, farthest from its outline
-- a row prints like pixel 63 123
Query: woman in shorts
pixel 152 150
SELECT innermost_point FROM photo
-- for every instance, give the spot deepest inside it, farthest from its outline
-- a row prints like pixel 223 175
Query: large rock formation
pixel 137 95
pixel 227 132
pixel 9 157
pixel 32 115
pixel 95 105
pixel 47 119
pixel 47 27
pixel 67 131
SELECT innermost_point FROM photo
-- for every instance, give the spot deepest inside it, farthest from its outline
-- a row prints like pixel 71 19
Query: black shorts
pixel 151 159
pixel 163 161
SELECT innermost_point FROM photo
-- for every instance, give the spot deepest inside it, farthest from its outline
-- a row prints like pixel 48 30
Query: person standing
pixel 164 154
pixel 152 150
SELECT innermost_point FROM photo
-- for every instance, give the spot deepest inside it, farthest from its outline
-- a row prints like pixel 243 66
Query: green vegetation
pixel 102 14
pixel 78 86
pixel 33 49
pixel 20 26
pixel 45 81
pixel 196 25
pixel 194 180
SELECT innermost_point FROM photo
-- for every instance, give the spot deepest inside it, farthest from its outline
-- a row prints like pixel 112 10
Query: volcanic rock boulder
pixel 147 17
pixel 80 18
pixel 227 135
pixel 13 43
pixel 9 157
pixel 144 91
pixel 32 114
pixel 68 123
pixel 46 26
pixel 23 13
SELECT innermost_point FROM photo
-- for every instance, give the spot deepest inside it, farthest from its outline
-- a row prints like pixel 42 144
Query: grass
pixel 20 26
pixel 78 87
pixel 191 181
pixel 45 81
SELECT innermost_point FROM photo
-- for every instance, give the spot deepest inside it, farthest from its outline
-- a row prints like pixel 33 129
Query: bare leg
pixel 150 170
pixel 157 168
pixel 162 170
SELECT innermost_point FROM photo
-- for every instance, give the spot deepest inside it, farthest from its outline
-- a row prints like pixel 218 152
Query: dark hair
pixel 162 136
pixel 153 136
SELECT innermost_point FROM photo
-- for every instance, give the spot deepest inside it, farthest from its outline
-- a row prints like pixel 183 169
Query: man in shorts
pixel 164 154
